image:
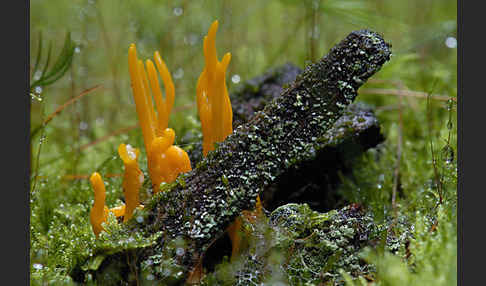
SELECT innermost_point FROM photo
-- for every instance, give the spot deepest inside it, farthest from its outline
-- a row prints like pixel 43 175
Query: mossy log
pixel 254 94
pixel 316 180
pixel 198 208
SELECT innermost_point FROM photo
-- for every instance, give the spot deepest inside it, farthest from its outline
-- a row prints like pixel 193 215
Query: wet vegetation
pixel 371 200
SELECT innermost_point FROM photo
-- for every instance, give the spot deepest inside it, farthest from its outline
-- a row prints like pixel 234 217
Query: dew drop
pixel 449 125
pixel 34 96
pixel 180 251
pixel 451 42
pixel 235 78
pixel 37 75
pixel 381 177
pixel 448 154
pixel 178 11
pixel 83 125
pixel 179 73
pixel 193 39
pixel 131 152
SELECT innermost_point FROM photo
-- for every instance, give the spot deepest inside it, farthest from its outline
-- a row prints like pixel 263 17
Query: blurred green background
pixel 260 34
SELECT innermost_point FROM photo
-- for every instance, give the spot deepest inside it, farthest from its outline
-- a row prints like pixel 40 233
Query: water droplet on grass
pixel 83 125
pixel 449 125
pixel 178 11
pixel 180 251
pixel 179 73
pixel 235 78
pixel 193 39
pixel 451 42
pixel 448 154
pixel 34 96
pixel 37 75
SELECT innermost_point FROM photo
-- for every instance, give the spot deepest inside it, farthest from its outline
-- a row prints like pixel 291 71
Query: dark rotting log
pixel 200 206
pixel 315 181
pixel 252 95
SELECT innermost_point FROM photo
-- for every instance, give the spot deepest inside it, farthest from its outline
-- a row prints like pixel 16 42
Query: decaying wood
pixel 288 131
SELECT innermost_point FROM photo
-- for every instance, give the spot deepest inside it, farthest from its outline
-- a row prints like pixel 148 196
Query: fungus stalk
pixel 132 179
pixel 99 211
pixel 213 102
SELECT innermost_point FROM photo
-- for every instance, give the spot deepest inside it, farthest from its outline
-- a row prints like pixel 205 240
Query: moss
pixel 298 246
pixel 321 244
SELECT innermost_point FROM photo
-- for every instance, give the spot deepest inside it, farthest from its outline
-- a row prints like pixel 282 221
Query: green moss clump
pixel 297 246
pixel 316 246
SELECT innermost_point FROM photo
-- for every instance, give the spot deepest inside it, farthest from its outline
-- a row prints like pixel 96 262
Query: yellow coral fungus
pixel 165 161
pixel 213 101
pixel 118 211
pixel 139 95
pixel 99 211
pixel 132 179
pixel 168 161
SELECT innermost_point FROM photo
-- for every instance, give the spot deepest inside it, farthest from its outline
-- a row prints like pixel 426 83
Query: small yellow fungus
pixel 132 179
pixel 235 237
pixel 99 211
pixel 165 161
pixel 118 211
pixel 213 102
pixel 141 103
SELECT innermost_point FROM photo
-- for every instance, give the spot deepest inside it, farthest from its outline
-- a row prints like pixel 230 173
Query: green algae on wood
pixel 260 150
